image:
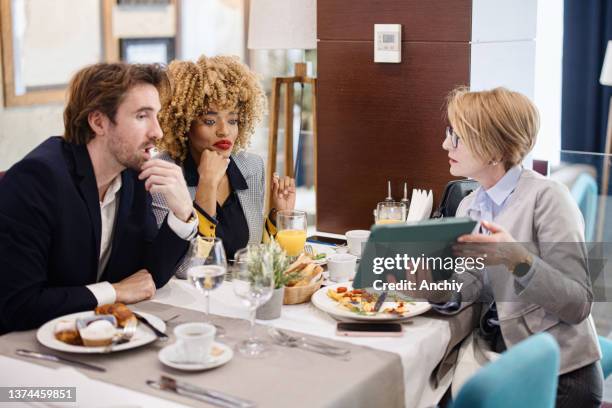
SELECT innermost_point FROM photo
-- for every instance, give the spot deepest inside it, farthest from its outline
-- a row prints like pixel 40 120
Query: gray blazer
pixel 252 199
pixel 558 298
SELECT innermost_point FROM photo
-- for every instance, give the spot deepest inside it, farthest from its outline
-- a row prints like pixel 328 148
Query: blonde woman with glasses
pixel 532 282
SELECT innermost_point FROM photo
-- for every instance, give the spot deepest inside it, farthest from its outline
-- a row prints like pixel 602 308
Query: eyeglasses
pixel 450 132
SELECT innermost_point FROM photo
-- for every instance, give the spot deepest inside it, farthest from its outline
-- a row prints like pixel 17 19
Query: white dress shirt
pixel 104 291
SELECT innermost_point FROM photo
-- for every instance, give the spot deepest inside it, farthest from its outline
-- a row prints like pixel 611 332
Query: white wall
pixel 548 78
pixel 23 128
pixel 503 45
pixel 519 44
pixel 212 27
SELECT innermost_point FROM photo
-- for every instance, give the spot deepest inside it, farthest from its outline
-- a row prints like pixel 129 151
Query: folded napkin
pixel 421 205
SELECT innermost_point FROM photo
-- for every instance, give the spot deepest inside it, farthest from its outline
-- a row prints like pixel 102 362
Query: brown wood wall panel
pixel 379 122
pixel 422 20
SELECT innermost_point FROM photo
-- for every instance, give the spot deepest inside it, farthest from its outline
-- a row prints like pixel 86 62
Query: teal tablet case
pixel 428 238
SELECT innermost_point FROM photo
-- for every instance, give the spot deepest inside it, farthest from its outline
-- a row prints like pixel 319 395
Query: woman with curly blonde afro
pixel 207 122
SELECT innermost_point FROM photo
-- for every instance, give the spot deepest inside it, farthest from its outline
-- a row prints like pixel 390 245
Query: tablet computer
pixel 428 241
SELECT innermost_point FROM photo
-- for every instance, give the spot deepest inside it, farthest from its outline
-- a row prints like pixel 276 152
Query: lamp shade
pixel 606 70
pixel 282 24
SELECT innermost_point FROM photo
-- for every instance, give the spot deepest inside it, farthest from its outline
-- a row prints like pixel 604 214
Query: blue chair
pixel 584 192
pixel 606 358
pixel 524 376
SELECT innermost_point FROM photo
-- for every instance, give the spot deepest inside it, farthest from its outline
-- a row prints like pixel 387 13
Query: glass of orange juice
pixel 291 227
pixel 390 212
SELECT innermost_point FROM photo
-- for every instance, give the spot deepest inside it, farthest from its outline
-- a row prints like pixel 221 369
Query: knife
pixel 58 359
pixel 213 397
pixel 379 302
pixel 235 401
pixel 219 403
pixel 160 334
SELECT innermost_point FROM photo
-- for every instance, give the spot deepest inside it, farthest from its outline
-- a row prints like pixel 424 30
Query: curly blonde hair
pixel 222 81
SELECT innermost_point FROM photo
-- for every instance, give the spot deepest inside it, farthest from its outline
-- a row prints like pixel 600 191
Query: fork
pixel 126 335
pixel 310 347
pixel 309 250
pixel 293 341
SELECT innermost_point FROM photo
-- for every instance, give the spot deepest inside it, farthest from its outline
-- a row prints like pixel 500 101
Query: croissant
pixel 121 312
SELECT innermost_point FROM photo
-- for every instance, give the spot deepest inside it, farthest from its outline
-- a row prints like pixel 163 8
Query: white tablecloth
pixel 420 349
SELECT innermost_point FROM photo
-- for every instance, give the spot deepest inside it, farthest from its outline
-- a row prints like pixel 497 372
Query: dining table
pixel 392 371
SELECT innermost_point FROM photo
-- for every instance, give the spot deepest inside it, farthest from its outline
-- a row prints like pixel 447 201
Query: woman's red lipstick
pixel 223 144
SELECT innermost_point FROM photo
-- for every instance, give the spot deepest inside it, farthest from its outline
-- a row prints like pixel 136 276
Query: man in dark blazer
pixel 76 225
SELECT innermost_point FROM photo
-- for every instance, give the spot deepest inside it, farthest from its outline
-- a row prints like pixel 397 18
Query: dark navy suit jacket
pixel 50 229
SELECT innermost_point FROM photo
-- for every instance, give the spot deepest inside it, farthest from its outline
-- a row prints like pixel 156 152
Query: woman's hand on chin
pixel 283 193
pixel 212 168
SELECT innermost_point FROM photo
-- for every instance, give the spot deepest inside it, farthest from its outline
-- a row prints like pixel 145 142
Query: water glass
pixel 207 267
pixel 253 283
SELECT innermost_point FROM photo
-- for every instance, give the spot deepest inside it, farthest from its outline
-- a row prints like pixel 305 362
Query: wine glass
pixel 390 212
pixel 253 282
pixel 207 268
pixel 291 226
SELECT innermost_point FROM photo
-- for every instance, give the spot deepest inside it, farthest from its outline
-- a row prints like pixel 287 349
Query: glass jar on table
pixel 291 231
pixel 390 212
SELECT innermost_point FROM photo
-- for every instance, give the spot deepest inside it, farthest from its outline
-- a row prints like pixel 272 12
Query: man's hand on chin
pixel 167 178
pixel 135 288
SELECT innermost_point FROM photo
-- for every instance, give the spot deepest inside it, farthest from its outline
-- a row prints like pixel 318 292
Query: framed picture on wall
pixel 40 50
pixel 147 50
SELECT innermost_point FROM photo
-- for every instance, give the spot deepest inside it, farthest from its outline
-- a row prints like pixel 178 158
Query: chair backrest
pixel 584 191
pixel 454 192
pixel 524 376
pixel 606 356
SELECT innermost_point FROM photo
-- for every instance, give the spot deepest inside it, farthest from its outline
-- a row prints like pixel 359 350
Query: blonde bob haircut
pixel 222 81
pixel 497 125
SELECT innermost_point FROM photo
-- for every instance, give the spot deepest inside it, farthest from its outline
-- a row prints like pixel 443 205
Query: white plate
pixel 328 305
pixel 167 357
pixel 143 335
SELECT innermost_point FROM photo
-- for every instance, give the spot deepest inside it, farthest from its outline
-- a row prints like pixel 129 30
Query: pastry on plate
pixel 122 313
pixel 66 332
pixel 98 333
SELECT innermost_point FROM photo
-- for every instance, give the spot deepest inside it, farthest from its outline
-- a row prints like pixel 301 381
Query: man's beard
pixel 130 160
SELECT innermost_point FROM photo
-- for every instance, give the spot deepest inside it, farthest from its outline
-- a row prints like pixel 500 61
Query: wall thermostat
pixel 388 43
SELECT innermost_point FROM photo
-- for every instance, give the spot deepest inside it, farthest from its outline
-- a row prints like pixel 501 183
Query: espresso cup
pixel 341 267
pixel 194 342
pixel 355 240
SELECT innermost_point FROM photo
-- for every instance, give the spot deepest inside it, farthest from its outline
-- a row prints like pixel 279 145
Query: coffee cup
pixel 194 342
pixel 341 267
pixel 355 240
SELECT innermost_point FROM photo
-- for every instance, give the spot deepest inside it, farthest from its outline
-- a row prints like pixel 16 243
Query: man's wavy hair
pixel 222 81
pixel 102 87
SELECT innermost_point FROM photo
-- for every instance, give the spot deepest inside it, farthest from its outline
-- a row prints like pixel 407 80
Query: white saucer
pixel 167 357
pixel 328 282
